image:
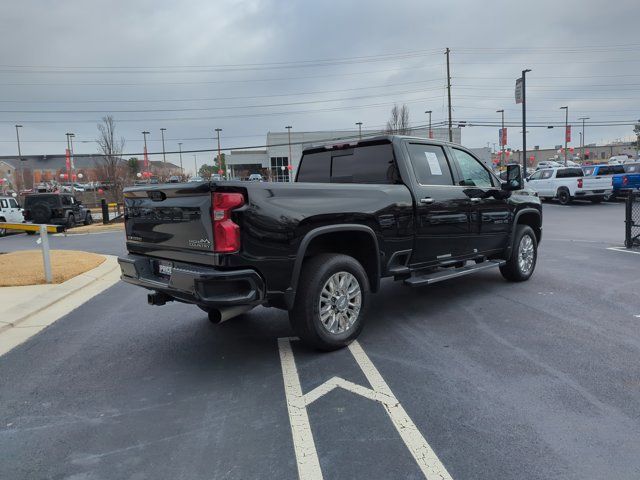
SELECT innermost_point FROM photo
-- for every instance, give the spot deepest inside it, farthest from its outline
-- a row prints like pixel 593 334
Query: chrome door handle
pixel 475 199
pixel 426 200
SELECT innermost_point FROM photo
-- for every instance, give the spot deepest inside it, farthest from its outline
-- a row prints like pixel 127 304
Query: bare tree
pixel 399 121
pixel 110 167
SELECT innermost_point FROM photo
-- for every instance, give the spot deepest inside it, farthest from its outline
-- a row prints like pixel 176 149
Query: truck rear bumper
pixel 593 193
pixel 201 285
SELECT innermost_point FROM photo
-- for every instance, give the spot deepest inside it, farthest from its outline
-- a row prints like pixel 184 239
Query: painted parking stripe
pixel 623 249
pixel 304 446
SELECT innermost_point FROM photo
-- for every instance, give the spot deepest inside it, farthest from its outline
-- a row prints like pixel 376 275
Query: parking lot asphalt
pixel 504 381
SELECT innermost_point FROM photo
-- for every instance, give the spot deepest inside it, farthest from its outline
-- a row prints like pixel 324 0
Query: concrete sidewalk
pixel 27 310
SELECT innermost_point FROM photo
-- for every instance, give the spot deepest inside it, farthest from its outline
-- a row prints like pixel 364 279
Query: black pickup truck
pixel 414 209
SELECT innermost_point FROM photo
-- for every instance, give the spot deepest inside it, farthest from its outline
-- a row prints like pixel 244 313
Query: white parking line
pixel 622 249
pixel 304 446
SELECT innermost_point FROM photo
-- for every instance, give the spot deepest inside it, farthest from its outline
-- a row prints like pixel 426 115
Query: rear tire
pixel 88 219
pixel 564 197
pixel 71 221
pixel 331 300
pixel 3 231
pixel 524 255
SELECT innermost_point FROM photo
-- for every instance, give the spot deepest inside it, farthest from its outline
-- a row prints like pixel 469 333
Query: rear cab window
pixel 369 163
pixel 569 173
pixel 50 200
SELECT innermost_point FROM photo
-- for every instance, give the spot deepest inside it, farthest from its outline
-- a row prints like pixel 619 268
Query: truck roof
pixel 350 142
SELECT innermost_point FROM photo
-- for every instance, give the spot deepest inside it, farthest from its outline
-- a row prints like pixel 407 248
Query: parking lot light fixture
pixel 566 128
pixel 582 142
pixel 359 124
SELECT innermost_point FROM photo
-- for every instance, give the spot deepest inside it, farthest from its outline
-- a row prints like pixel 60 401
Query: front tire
pixel 524 255
pixel 331 300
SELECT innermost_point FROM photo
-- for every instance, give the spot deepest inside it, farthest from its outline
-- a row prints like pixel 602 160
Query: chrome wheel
pixel 340 302
pixel 525 254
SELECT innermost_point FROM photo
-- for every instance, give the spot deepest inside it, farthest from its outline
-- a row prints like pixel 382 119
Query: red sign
pixel 146 159
pixel 504 137
pixel 220 172
pixel 68 160
pixel 568 133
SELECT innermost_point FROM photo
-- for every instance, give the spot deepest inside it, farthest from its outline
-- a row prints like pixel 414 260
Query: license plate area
pixel 163 268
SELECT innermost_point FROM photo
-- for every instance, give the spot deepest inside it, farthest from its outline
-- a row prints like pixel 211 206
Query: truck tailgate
pixel 169 217
pixel 596 183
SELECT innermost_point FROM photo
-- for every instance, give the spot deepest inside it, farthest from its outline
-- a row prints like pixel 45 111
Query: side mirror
pixel 514 178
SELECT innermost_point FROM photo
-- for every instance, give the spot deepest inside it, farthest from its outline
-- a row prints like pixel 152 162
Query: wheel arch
pixel 527 216
pixel 361 244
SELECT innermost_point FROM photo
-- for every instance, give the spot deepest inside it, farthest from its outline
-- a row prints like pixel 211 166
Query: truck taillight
pixel 579 183
pixel 226 233
pixel 625 180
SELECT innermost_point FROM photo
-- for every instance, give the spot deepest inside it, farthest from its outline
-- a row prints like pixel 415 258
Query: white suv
pixel 10 212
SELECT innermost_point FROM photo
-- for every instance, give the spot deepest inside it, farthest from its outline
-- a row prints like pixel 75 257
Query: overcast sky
pixel 192 66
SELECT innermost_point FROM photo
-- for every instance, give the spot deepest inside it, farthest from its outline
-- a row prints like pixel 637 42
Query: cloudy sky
pixel 250 67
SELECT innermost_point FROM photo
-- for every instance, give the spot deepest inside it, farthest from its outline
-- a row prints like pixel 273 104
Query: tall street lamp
pixel 566 132
pixel 583 142
pixel 20 158
pixel 164 156
pixel 288 127
pixel 195 165
pixel 429 112
pixel 502 142
pixel 359 124
pixel 181 169
pixel 70 165
pixel 220 166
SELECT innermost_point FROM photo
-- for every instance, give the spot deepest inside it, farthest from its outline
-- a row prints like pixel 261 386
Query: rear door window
pixel 430 164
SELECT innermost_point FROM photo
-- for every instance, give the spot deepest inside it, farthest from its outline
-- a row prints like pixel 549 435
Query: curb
pixel 22 312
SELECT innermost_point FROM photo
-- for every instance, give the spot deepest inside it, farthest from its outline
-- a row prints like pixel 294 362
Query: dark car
pixel 55 208
pixel 417 210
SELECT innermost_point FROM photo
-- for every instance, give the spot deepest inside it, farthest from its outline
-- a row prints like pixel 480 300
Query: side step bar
pixel 441 275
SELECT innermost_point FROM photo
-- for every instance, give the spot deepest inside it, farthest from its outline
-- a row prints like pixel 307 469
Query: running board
pixel 441 275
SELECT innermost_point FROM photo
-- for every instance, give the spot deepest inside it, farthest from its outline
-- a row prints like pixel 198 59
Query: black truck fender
pixel 374 274
pixel 537 226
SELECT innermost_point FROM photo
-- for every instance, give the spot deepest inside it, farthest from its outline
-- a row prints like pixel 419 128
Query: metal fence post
pixel 44 241
pixel 105 211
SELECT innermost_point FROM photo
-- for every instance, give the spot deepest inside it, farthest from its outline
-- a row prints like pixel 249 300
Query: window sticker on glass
pixel 434 165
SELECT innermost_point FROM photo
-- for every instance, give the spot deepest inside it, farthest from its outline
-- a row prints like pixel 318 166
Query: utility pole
pixel 566 131
pixel 290 163
pixel 583 142
pixel 20 159
pixel 428 112
pixel 449 93
pixel 220 166
pixel 146 156
pixel 70 166
pixel 359 130
pixel 164 156
pixel 524 124
pixel 501 138
pixel 181 169
pixel 195 165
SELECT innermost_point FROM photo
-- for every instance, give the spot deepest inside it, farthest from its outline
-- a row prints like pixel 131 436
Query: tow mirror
pixel 514 178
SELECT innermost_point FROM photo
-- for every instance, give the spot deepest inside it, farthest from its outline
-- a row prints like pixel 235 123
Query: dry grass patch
pixel 26 267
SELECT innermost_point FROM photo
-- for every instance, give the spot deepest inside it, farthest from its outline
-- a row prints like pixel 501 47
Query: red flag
pixel 568 133
pixel 68 160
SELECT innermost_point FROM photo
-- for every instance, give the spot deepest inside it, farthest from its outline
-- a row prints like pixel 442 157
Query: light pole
pixel 359 124
pixel 288 127
pixel 501 137
pixel 181 169
pixel 146 155
pixel 429 112
pixel 20 159
pixel 164 156
pixel 220 166
pixel 524 123
pixel 195 165
pixel 566 131
pixel 582 142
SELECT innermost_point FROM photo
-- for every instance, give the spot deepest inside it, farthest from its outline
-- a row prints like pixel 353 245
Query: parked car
pixel 255 177
pixel 626 182
pixel 10 212
pixel 618 160
pixel 418 210
pixel 55 208
pixel 569 183
pixel 548 164
pixel 174 179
